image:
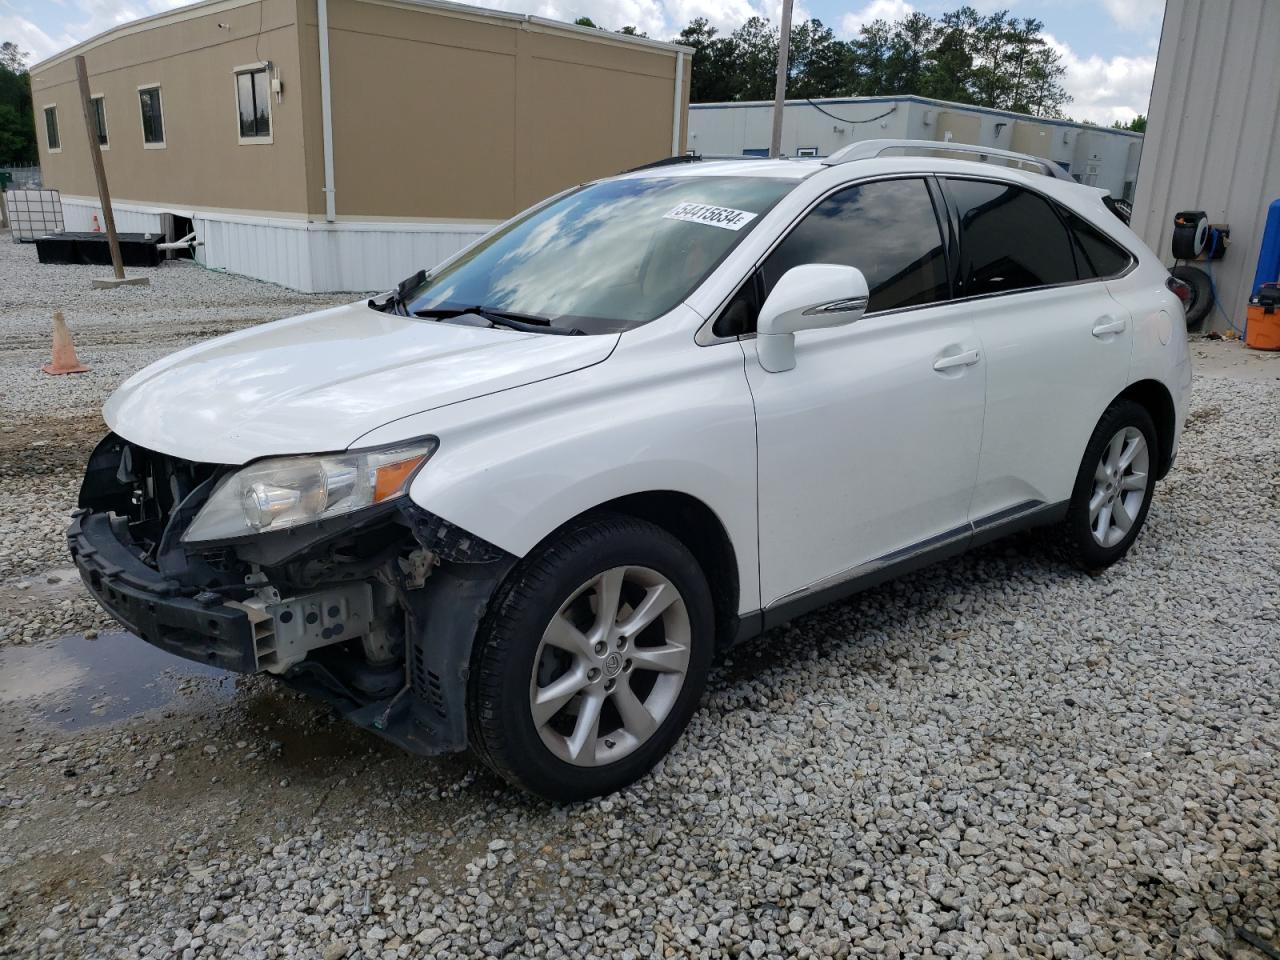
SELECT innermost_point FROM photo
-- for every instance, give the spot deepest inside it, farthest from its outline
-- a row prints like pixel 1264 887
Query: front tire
pixel 591 660
pixel 1113 487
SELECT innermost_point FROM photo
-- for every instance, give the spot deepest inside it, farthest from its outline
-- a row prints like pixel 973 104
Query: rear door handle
pixel 1106 325
pixel 966 359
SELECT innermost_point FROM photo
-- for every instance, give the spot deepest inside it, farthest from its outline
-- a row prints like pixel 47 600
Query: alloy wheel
pixel 610 666
pixel 1120 484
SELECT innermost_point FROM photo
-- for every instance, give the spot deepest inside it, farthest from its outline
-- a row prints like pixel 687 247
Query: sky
pixel 1108 46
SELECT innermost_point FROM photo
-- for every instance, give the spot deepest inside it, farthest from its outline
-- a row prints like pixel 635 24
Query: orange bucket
pixel 1263 327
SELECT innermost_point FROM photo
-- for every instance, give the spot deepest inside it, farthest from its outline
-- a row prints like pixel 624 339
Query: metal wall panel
pixel 78 215
pixel 1211 134
pixel 307 256
pixel 736 128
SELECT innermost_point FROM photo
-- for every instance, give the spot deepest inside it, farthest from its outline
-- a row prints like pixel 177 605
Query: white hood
pixel 319 382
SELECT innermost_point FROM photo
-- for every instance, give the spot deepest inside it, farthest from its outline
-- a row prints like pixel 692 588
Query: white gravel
pixel 995 757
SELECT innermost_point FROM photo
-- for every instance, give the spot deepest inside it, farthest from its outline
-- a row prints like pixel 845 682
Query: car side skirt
pixel 943 546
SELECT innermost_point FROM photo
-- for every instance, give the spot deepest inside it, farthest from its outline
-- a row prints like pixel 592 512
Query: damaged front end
pixel 372 610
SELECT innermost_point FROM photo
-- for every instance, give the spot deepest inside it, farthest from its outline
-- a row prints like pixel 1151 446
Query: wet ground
pixel 77 682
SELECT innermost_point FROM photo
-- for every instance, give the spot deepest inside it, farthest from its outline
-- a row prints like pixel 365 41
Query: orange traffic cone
pixel 64 351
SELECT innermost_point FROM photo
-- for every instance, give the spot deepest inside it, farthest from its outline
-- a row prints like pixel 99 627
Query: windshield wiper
pixel 524 322
pixel 395 301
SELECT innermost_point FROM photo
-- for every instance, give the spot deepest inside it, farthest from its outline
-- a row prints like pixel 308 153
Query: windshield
pixel 607 257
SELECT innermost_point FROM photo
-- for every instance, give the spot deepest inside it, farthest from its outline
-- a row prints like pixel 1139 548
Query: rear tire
pixel 1113 487
pixel 1201 293
pixel 591 660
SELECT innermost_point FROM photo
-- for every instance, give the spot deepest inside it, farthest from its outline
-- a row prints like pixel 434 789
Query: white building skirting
pixel 306 256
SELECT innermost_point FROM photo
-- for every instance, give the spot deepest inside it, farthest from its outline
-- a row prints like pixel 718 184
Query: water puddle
pixel 75 682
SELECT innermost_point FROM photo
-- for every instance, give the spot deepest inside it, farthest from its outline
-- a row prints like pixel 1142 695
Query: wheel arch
pixel 1155 397
pixel 696 525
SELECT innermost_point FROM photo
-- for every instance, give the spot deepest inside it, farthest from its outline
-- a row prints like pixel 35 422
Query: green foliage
pixel 17 122
pixel 991 60
pixel 1138 124
pixel 584 22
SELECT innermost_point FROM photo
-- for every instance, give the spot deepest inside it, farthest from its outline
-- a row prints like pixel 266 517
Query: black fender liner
pixel 444 617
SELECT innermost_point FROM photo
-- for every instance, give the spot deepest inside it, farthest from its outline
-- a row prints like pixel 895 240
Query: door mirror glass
pixel 807 297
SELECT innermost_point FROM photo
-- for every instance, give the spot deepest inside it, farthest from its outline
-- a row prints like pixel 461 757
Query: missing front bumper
pixel 201 628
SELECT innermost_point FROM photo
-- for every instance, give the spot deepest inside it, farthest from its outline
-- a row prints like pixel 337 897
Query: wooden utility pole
pixel 95 151
pixel 780 92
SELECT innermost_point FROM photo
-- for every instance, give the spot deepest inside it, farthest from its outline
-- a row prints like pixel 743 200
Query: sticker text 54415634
pixel 726 218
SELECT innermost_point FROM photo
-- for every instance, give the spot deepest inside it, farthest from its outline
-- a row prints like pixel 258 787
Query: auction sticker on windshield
pixel 726 218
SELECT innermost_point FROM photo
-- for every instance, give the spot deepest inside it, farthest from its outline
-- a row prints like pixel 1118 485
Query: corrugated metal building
pixel 435 121
pixel 1211 136
pixel 1096 155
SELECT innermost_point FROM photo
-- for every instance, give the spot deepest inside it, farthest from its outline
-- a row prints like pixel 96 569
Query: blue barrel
pixel 1269 256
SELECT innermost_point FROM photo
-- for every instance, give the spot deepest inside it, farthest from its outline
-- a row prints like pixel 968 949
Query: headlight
pixel 284 492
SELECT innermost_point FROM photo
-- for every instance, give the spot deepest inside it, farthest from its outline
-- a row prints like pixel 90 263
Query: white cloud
pixel 1105 89
pixel 79 20
pixel 1135 14
pixel 660 19
pixel 889 10
pixel 30 38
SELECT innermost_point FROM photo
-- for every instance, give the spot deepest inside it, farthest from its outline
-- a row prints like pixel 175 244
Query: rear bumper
pixel 200 628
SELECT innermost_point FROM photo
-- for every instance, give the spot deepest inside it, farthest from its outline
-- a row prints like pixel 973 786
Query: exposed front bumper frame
pixel 156 608
pixel 427 716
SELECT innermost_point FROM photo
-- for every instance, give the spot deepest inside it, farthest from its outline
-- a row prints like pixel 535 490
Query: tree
pixel 1138 124
pixel 17 121
pixel 820 65
pixel 714 76
pixel 992 60
pixel 584 22
pixel 755 50
pixel 633 32
pixel 11 58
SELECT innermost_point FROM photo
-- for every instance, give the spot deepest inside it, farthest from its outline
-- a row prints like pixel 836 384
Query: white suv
pixel 520 503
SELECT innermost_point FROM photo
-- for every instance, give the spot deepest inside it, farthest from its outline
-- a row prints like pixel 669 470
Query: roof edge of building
pixel 206 7
pixel 916 98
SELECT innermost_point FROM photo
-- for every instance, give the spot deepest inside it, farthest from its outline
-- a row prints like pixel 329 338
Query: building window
pixel 152 116
pixel 806 151
pixel 98 106
pixel 253 98
pixel 51 129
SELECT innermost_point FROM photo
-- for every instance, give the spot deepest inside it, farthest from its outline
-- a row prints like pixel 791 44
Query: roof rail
pixel 869 149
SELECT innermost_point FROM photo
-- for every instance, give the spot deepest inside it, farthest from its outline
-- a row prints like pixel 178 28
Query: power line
pixel 843 120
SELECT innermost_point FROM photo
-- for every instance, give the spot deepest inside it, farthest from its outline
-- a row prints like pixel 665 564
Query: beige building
pixel 342 144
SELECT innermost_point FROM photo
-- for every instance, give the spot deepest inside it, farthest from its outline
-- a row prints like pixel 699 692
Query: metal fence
pixel 24 178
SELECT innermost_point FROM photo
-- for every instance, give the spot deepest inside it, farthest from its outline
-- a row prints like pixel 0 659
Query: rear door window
pixel 1010 239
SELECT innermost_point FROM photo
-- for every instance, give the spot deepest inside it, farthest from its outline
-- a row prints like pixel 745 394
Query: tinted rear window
pixel 1097 256
pixel 1010 239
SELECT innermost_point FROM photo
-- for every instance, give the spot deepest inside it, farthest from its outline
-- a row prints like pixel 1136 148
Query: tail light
pixel 1180 289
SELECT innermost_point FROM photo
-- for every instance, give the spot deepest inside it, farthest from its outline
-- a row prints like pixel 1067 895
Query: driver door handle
pixel 966 359
pixel 1105 325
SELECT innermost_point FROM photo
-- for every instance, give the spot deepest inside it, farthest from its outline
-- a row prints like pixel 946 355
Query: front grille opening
pixel 144 487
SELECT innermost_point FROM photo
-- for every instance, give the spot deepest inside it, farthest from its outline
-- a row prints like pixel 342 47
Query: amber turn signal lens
pixel 390 479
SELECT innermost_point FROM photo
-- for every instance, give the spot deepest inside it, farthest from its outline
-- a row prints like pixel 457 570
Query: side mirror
pixel 807 297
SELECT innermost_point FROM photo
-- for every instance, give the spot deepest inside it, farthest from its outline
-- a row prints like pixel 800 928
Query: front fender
pixel 657 416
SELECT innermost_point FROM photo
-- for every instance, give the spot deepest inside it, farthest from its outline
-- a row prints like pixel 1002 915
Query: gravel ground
pixel 995 757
